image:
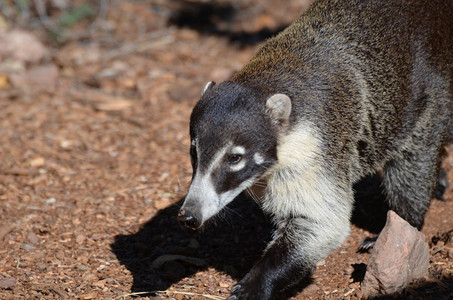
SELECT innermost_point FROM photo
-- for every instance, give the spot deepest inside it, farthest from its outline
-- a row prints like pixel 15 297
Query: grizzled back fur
pixel 331 64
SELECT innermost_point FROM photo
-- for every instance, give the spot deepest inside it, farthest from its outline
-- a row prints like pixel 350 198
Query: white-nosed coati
pixel 350 87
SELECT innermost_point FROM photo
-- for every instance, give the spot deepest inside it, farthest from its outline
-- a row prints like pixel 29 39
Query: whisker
pixel 254 196
pixel 259 184
pixel 199 188
pixel 229 210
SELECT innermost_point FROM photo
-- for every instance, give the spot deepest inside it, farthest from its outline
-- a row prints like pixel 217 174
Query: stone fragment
pixel 161 260
pixel 32 238
pixel 399 256
pixel 185 90
pixel 7 282
pixel 27 246
pixel 4 230
pixel 92 295
pixel 80 239
pixel 40 78
pixel 22 46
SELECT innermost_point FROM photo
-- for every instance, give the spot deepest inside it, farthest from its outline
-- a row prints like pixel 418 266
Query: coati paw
pixel 247 291
pixel 368 244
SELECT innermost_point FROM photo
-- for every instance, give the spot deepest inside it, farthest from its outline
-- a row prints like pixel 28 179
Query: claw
pixel 235 288
pixel 367 244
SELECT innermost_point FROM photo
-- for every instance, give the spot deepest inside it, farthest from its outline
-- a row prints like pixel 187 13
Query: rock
pixel 90 277
pixel 40 78
pixel 399 256
pixel 21 45
pixel 27 246
pixel 179 296
pixel 80 239
pixel 32 238
pixel 76 54
pixel 194 244
pixel 4 230
pixel 311 288
pixel 161 260
pixel 173 270
pixel 7 282
pixel 82 267
pixel 185 90
pixel 92 295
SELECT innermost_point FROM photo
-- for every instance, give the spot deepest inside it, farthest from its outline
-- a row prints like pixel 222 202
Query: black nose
pixel 188 219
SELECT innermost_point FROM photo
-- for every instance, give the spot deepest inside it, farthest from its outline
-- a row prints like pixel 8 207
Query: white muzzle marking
pixel 202 194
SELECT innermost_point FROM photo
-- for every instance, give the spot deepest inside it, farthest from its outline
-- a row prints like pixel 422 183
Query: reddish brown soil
pixel 91 172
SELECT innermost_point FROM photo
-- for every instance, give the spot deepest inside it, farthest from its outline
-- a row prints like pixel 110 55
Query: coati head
pixel 234 132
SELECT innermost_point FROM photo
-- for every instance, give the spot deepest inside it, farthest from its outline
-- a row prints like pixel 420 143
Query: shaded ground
pixel 93 162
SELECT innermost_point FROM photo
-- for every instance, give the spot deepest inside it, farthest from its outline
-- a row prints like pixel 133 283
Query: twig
pixel 101 15
pixel 16 172
pixel 43 16
pixel 51 26
pixel 349 292
pixel 127 190
pixel 25 11
pixel 174 292
pixel 146 43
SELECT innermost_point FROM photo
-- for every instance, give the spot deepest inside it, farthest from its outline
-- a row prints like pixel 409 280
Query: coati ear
pixel 278 107
pixel 208 86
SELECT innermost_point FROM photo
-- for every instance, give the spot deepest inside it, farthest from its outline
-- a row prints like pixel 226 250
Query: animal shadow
pixel 162 252
pixel 370 208
pixel 205 17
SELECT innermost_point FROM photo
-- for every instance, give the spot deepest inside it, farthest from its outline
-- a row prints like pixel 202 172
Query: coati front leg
pixel 280 267
pixel 311 212
pixel 292 256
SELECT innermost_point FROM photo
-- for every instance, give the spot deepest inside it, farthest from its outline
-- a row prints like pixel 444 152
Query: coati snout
pixel 349 87
pixel 189 219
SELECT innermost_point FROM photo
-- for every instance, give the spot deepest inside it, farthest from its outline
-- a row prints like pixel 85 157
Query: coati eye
pixel 234 158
